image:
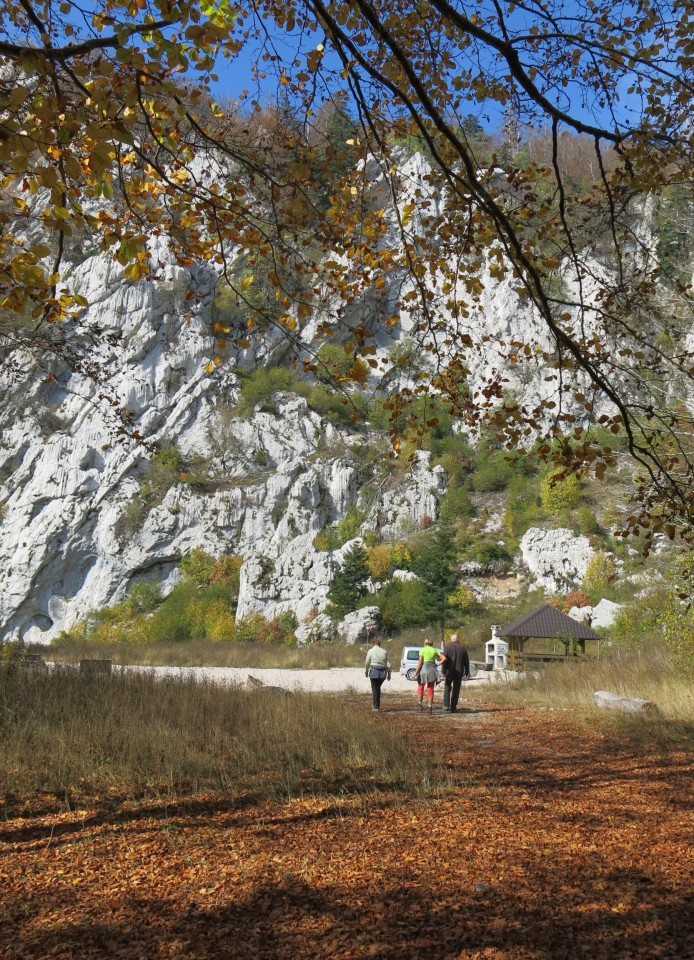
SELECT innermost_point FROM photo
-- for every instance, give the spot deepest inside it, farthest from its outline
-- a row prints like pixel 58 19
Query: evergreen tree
pixel 349 583
pixel 435 567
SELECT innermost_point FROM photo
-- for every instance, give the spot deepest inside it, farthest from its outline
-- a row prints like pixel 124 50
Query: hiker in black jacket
pixel 456 668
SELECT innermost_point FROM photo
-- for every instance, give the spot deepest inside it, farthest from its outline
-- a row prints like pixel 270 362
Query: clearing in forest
pixel 546 840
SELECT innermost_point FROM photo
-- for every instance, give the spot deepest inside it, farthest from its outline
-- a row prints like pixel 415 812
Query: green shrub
pixel 406 356
pixel 259 386
pixel 180 617
pixel 326 539
pixel 462 600
pixel 421 423
pixel 143 596
pixel 349 582
pixel 493 470
pixel 456 456
pixel 348 528
pixel 379 560
pixel 522 505
pixel 586 523
pixel 639 622
pixel 486 553
pixel 600 572
pixel 378 414
pixel 196 567
pixel 203 570
pixel 335 406
pixel 163 471
pixel 401 557
pixel 558 494
pixel 332 538
pixel 337 365
pixel 258 629
pixel 456 504
pixel 402 604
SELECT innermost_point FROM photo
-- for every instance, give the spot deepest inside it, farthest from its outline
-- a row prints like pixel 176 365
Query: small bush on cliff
pixel 332 538
pixel 165 469
pixel 559 494
pixel 600 572
pixel 259 386
pixel 203 570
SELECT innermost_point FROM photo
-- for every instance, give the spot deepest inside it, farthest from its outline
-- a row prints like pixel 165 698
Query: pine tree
pixel 435 567
pixel 349 583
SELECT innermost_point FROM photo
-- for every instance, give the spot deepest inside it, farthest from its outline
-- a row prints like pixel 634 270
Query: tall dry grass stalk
pixel 134 735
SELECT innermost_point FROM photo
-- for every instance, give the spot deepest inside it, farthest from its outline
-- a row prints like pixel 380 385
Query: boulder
pixel 605 613
pixel 611 701
pixel 319 630
pixel 253 683
pixel 359 625
pixel 602 614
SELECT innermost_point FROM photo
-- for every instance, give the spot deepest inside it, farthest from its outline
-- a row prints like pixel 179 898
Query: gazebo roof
pixel 548 622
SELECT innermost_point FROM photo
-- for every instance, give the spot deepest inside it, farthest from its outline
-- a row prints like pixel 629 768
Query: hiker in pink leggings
pixel 426 673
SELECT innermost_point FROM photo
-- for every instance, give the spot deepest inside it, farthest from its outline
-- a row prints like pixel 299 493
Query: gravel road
pixel 334 680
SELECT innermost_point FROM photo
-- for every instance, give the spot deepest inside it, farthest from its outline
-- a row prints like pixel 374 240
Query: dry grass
pixel 133 735
pixel 635 674
pixel 201 653
pixel 208 654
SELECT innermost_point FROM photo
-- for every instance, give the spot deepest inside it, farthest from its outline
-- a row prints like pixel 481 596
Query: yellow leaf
pixel 246 282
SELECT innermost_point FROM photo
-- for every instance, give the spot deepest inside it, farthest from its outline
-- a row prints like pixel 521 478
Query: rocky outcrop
pixel 603 614
pixel 320 629
pixel 359 625
pixel 85 513
pixel 557 560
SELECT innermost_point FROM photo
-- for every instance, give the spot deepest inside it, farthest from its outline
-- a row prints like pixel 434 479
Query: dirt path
pixel 550 842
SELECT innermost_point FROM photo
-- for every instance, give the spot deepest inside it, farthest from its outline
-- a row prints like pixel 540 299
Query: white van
pixel 410 658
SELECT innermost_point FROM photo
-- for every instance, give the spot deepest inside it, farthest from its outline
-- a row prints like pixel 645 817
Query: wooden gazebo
pixel 544 623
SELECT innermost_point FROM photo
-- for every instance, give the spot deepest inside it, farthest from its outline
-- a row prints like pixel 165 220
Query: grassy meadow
pixel 130 734
pixel 68 734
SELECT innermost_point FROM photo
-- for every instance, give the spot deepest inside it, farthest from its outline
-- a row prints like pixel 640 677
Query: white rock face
pixel 410 506
pixel 268 482
pixel 71 536
pixel 556 559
